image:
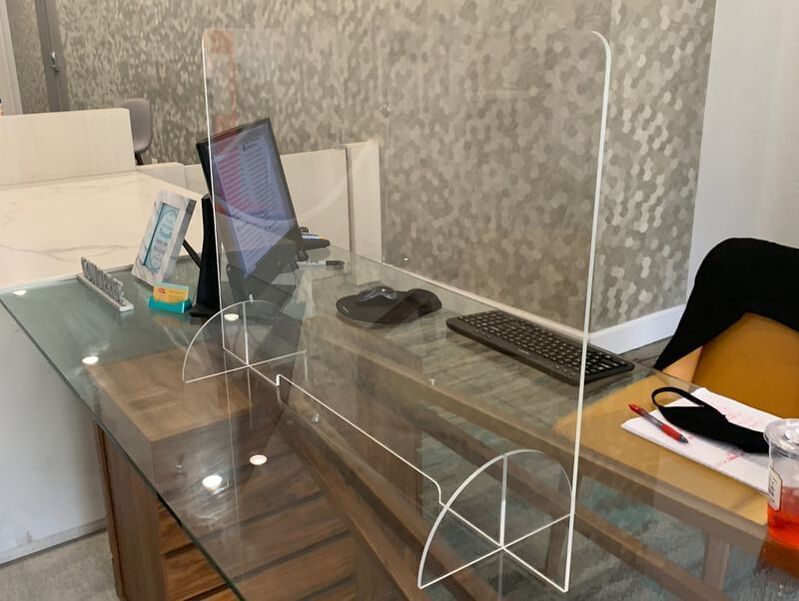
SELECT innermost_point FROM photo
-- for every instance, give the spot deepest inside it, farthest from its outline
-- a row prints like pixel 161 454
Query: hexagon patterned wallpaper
pixel 487 112
pixel 661 54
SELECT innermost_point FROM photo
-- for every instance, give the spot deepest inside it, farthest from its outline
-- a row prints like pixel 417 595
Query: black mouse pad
pixel 408 306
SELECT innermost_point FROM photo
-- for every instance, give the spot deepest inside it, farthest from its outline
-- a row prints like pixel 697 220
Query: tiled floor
pixel 76 571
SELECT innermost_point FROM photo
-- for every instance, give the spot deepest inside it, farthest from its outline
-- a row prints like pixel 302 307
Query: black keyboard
pixel 538 347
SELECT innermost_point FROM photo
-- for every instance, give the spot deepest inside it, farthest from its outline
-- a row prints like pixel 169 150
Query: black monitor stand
pixel 206 302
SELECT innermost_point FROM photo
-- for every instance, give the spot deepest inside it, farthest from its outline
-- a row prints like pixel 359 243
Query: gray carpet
pixel 77 571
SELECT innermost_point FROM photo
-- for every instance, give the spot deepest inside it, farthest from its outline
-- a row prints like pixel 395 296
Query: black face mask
pixel 708 422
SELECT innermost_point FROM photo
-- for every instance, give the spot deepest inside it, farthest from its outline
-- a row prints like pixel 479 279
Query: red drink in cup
pixel 783 523
pixel 783 485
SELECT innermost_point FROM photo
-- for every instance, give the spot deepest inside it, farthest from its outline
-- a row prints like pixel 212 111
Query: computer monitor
pixel 255 216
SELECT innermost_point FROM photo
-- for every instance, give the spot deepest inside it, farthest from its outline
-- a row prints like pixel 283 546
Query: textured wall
pixel 117 49
pixel 661 57
pixel 487 133
pixel 121 49
pixel 488 121
pixel 491 154
pixel 27 55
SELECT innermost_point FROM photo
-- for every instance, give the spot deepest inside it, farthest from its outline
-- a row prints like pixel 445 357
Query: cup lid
pixel 783 434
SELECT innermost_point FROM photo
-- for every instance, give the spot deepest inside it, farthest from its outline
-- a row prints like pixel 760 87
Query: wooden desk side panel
pixel 133 528
pixel 153 560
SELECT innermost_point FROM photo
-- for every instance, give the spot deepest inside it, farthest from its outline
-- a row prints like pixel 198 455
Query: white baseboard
pixel 639 332
pixel 52 541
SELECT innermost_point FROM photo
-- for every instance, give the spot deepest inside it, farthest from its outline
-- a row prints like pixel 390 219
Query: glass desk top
pixel 339 449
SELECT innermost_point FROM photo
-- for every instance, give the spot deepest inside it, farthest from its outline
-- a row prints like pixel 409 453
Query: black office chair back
pixel 739 276
pixel 141 125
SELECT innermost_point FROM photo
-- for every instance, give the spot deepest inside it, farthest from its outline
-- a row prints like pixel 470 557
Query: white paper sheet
pixel 752 470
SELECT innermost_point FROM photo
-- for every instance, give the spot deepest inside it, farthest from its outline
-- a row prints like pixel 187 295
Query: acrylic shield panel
pixel 454 171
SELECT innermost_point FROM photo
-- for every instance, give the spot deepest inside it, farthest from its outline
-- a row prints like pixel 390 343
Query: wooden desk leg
pixel 99 439
pixel 152 558
pixel 132 527
pixel 714 568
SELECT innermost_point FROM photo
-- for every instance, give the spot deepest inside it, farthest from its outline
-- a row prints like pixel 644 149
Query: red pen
pixel 665 428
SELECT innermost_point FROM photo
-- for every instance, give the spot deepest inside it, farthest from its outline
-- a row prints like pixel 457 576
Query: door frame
pixel 12 101
pixel 55 69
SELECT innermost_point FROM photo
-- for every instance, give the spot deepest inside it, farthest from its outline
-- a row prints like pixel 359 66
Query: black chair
pixel 141 125
pixel 739 335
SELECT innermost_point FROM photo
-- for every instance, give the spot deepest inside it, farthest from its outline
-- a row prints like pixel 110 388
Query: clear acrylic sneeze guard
pixel 461 162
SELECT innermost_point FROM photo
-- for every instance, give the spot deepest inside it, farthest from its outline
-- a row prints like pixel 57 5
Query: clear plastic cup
pixel 783 481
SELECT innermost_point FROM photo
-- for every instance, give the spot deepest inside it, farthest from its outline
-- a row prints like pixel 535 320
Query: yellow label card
pixel 170 293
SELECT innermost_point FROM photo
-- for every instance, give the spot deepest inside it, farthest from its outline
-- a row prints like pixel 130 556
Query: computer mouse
pixel 385 293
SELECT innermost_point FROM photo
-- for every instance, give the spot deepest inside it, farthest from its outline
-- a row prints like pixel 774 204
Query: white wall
pixel 48 460
pixel 749 164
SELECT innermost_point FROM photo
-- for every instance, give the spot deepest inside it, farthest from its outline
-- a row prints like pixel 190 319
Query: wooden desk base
pixel 153 559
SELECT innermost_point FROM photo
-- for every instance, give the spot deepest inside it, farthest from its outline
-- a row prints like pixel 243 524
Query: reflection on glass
pixel 258 459
pixel 212 482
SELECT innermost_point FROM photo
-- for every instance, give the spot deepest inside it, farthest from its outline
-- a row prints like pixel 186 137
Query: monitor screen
pixel 252 201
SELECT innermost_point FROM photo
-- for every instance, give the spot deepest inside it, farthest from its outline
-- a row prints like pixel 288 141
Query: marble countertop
pixel 46 227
